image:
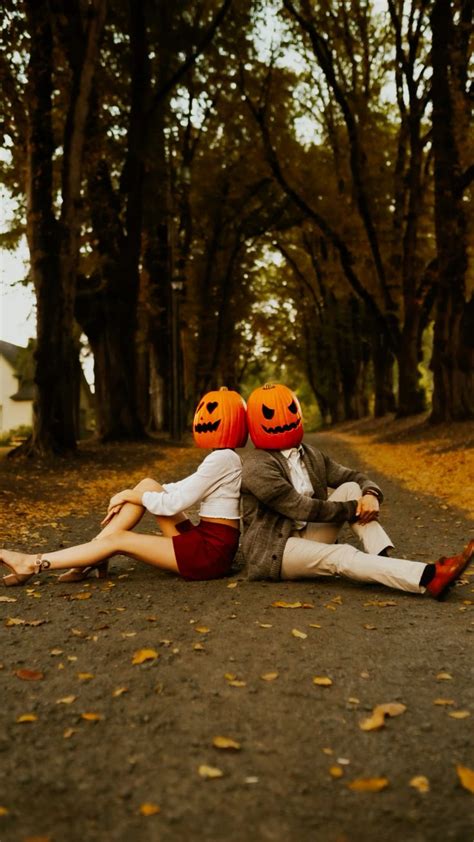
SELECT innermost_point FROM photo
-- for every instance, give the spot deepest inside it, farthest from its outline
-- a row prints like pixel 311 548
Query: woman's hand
pixel 118 500
pixel 368 508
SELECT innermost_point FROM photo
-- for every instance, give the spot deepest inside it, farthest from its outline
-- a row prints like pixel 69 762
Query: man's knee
pixel 347 491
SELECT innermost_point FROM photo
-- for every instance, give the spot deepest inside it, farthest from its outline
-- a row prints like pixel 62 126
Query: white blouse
pixel 216 484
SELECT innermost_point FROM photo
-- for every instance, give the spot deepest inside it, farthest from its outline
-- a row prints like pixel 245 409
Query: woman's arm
pixel 217 467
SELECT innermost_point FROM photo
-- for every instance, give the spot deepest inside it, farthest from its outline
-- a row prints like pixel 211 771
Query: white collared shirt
pixel 216 483
pixel 299 476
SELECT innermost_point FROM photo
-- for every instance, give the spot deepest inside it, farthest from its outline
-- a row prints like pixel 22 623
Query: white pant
pixel 311 552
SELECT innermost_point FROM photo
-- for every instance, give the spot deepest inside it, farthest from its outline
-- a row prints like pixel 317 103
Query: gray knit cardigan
pixel 271 504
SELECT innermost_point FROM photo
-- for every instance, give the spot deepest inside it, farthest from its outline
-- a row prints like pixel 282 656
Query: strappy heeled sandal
pixel 78 574
pixel 15 579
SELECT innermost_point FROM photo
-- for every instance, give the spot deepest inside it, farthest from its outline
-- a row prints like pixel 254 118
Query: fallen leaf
pixel 119 691
pixel 459 714
pixel 385 603
pixel 322 680
pixel 232 585
pixel 444 702
pixel 85 676
pixel 299 634
pixel 68 733
pixel 368 784
pixel 369 626
pixel 466 777
pixel 66 700
pixel 444 676
pixel 269 676
pixel 237 683
pixel 129 634
pixel 202 630
pixel 377 718
pixel 56 651
pixel 143 655
pixel 80 596
pixel 282 604
pixel 7 599
pixel 29 675
pixel 226 743
pixel 4 811
pixel 27 717
pixel 198 647
pixel 314 626
pixel 229 676
pixel 336 771
pixel 209 772
pixel 353 700
pixel 420 783
pixel 149 809
pixel 265 625
pixel 327 751
pixel 91 717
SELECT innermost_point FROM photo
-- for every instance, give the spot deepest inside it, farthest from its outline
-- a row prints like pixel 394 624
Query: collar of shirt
pixel 292 451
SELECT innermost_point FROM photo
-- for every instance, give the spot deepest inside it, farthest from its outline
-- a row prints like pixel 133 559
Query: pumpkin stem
pixel 223 389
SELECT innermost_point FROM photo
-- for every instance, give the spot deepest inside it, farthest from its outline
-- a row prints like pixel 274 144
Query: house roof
pixel 9 351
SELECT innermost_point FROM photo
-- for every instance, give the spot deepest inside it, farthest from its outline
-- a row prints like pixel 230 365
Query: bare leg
pixel 125 520
pixel 155 550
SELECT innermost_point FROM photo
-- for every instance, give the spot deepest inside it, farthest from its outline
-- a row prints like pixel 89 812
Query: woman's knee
pixel 148 484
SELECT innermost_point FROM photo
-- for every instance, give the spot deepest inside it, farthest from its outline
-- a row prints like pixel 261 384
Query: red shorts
pixel 205 551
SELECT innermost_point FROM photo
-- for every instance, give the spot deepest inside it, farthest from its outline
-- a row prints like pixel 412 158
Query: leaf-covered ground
pixel 147 708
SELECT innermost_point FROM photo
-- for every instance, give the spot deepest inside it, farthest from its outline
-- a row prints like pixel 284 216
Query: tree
pixel 453 348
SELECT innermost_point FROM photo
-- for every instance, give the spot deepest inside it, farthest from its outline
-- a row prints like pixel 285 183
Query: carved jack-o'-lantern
pixel 220 420
pixel 274 417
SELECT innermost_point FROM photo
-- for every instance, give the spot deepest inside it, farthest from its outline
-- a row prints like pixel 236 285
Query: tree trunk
pixel 411 397
pixel 383 361
pixel 453 357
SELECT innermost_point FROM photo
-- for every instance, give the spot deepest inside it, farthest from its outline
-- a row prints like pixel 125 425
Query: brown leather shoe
pixel 448 570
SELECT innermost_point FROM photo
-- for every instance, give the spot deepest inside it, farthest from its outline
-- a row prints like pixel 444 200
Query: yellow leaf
pixel 444 702
pixel 129 634
pixel 336 771
pixel 466 777
pixel 369 626
pixel 236 683
pixel 84 595
pixel 198 647
pixel 459 714
pixel 368 784
pixel 91 717
pixel 299 634
pixel 85 676
pixel 15 621
pixel 420 783
pixel 265 625
pixel 229 676
pixel 269 676
pixel 68 733
pixel 444 676
pixel 202 630
pixel 143 655
pixel 226 743
pixel 322 681
pixel 149 809
pixel 385 603
pixel 232 585
pixel 314 626
pixel 209 772
pixel 56 652
pixel 66 700
pixel 27 717
pixel 4 811
pixel 120 691
pixel 377 718
pixel 7 599
pixel 353 700
pixel 282 604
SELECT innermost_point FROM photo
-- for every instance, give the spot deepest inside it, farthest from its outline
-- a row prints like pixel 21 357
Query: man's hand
pixel 368 509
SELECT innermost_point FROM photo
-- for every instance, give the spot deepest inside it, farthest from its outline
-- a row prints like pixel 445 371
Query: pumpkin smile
pixel 209 427
pixel 284 428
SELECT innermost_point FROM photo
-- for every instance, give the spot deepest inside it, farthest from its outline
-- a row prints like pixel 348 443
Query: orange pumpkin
pixel 274 417
pixel 220 420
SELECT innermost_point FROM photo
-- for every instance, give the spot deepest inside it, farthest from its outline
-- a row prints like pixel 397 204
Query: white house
pixel 16 394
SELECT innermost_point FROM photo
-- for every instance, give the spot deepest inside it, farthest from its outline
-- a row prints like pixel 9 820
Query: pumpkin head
pixel 220 420
pixel 274 417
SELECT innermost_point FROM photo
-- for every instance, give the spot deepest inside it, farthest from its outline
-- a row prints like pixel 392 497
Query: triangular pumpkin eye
pixel 268 413
pixel 200 406
pixel 293 408
pixel 211 406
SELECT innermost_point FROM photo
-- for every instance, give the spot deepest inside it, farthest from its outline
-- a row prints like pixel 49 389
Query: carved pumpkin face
pixel 220 420
pixel 274 417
